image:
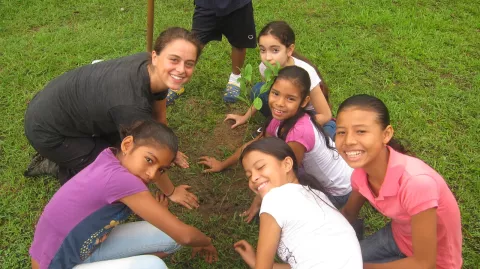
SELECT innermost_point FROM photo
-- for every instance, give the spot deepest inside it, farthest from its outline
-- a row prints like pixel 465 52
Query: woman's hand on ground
pixel 182 196
pixel 213 164
pixel 181 160
pixel 238 119
pixel 247 252
pixel 249 214
pixel 209 253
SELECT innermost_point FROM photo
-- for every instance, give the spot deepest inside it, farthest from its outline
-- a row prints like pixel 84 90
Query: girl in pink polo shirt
pixel 425 229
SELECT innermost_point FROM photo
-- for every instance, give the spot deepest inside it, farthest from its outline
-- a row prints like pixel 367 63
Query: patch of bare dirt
pixel 224 136
pixel 221 194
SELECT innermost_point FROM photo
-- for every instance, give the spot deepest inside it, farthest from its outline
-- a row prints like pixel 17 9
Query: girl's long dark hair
pixel 285 35
pixel 300 78
pixel 279 149
pixel 372 103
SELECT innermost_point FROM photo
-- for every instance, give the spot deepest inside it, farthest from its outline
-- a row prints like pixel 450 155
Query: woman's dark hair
pixel 279 149
pixel 150 132
pixel 174 33
pixel 285 35
pixel 300 78
pixel 372 103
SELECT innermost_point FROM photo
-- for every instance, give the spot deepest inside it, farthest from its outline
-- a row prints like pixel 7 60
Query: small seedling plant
pixel 252 99
pixel 246 95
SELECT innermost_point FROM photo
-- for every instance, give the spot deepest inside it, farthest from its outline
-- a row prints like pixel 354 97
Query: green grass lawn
pixel 420 57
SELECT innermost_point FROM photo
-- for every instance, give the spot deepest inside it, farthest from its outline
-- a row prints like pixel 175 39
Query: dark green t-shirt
pixel 93 100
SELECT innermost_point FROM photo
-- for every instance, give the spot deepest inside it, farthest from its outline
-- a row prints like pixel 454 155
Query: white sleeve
pixel 314 78
pixel 273 204
pixel 262 68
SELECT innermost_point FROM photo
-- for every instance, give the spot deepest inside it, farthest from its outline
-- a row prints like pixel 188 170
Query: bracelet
pixel 172 192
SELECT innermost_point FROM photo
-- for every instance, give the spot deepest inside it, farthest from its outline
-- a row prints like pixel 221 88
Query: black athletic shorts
pixel 238 27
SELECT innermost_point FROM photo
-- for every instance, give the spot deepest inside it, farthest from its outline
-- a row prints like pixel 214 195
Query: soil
pixel 226 137
pixel 223 193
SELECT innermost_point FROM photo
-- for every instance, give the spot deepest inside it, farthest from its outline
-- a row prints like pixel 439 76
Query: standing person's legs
pixel 133 239
pixel 381 247
pixel 205 26
pixel 238 59
pixel 73 154
pixel 239 28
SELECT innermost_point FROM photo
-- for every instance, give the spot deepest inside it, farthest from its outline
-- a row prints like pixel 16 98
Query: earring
pixel 124 153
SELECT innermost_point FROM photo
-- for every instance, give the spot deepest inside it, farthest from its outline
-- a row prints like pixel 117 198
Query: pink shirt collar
pixel 391 184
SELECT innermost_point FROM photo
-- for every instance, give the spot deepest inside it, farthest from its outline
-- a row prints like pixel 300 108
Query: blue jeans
pixel 127 245
pixel 339 201
pixel 265 110
pixel 330 127
pixel 380 247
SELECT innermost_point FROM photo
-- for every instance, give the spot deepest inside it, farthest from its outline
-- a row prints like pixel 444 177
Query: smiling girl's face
pixel 265 172
pixel 360 138
pixel 285 99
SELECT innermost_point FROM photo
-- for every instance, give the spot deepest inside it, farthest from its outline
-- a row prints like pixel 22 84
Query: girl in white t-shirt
pixel 277 45
pixel 290 121
pixel 296 219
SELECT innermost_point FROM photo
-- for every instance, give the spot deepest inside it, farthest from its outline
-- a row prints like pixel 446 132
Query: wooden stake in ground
pixel 150 8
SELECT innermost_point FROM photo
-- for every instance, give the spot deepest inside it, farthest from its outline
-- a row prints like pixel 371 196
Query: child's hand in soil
pixel 247 252
pixel 182 196
pixel 181 160
pixel 250 213
pixel 209 253
pixel 238 119
pixel 213 164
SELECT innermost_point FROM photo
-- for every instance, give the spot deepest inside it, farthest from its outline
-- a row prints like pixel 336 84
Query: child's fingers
pixel 203 162
pixel 185 204
pixel 192 203
pixel 229 117
pixel 208 258
pixel 240 244
pixel 185 187
pixel 194 252
pixel 181 162
pixel 181 156
pixel 205 158
pixel 193 197
pixel 162 199
pixel 249 218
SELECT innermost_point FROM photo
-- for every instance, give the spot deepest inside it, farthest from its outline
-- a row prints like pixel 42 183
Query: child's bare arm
pixel 352 207
pixel 324 114
pixel 217 166
pixel 144 205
